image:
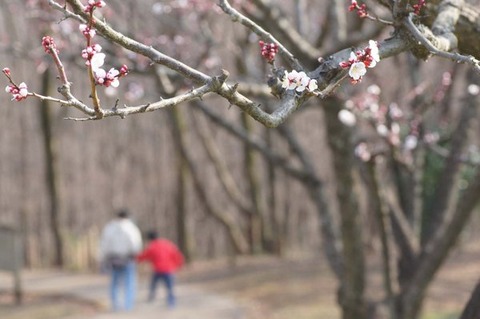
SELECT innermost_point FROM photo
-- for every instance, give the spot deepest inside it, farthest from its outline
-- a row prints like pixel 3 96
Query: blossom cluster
pixel 361 9
pixel 92 4
pixel 49 44
pixel 418 6
pixel 111 77
pixel 19 92
pixel 87 31
pixel 268 50
pixel 298 81
pixel 395 126
pixel 360 60
pixel 93 56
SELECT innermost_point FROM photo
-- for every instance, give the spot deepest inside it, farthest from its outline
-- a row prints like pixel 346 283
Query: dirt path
pixel 192 301
pixel 260 287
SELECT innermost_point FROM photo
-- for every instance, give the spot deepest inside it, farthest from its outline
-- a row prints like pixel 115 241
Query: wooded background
pixel 209 177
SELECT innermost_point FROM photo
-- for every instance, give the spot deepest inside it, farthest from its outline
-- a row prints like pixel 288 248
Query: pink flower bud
pixel 49 44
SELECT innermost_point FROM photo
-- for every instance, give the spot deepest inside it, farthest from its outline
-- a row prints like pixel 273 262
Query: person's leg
pixel 115 278
pixel 153 286
pixel 169 283
pixel 130 276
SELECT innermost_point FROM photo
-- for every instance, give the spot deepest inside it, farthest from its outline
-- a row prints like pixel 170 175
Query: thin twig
pixel 238 17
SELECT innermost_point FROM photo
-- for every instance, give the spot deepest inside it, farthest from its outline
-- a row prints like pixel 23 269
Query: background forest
pixel 390 186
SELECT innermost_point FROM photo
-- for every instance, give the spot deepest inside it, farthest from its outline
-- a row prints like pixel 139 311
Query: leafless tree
pixel 420 178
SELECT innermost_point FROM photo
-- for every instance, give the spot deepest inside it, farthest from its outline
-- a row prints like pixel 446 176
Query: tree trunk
pixel 52 175
pixel 472 308
pixel 436 249
pixel 233 230
pixel 185 240
pixel 389 270
pixel 252 174
pixel 339 137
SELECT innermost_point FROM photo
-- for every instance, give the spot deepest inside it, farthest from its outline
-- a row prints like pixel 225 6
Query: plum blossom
pixel 374 89
pixel 411 142
pixel 382 130
pixel 347 118
pixel 374 54
pixel 87 31
pixel 418 6
pixel 395 111
pixel 19 92
pixel 268 50
pixel 107 78
pixel 97 61
pixel 93 56
pixel 49 44
pixel 362 152
pixel 361 9
pixel 298 81
pixel 431 138
pixel 111 77
pixel 92 4
pixel 360 60
pixel 357 70
pixel 473 89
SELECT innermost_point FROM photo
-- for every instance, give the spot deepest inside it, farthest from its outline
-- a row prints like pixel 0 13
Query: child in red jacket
pixel 165 259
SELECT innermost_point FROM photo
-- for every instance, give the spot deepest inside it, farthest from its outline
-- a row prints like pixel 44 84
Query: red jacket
pixel 163 255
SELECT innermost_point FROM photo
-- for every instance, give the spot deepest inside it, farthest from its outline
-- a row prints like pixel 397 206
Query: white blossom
pixel 97 61
pixel 298 81
pixel 23 90
pixel 473 89
pixel 312 85
pixel 374 53
pixel 357 70
pixel 347 118
pixel 382 130
pixel 374 89
pixel 362 152
pixel 411 142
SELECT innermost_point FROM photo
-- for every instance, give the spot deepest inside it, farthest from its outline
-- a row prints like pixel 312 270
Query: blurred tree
pixel 336 145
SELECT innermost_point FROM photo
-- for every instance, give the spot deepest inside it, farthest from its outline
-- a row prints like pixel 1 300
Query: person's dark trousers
pixel 168 279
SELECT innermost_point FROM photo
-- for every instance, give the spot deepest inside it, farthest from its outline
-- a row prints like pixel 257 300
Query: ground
pixel 299 287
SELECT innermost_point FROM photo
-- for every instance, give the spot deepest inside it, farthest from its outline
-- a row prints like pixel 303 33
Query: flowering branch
pixel 89 32
pixel 294 87
pixel 362 12
pixel 51 48
pixel 19 92
pixel 360 60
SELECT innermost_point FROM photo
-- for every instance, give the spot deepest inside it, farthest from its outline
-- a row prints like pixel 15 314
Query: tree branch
pixel 237 16
pixel 424 36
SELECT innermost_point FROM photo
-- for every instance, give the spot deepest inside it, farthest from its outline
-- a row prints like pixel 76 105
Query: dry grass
pixel 41 307
pixel 304 288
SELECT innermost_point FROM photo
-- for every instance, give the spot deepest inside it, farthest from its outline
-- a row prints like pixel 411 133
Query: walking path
pixel 192 301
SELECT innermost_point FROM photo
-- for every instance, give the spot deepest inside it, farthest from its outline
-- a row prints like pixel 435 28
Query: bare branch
pixel 237 16
pixel 68 14
pixel 282 27
pixel 423 35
